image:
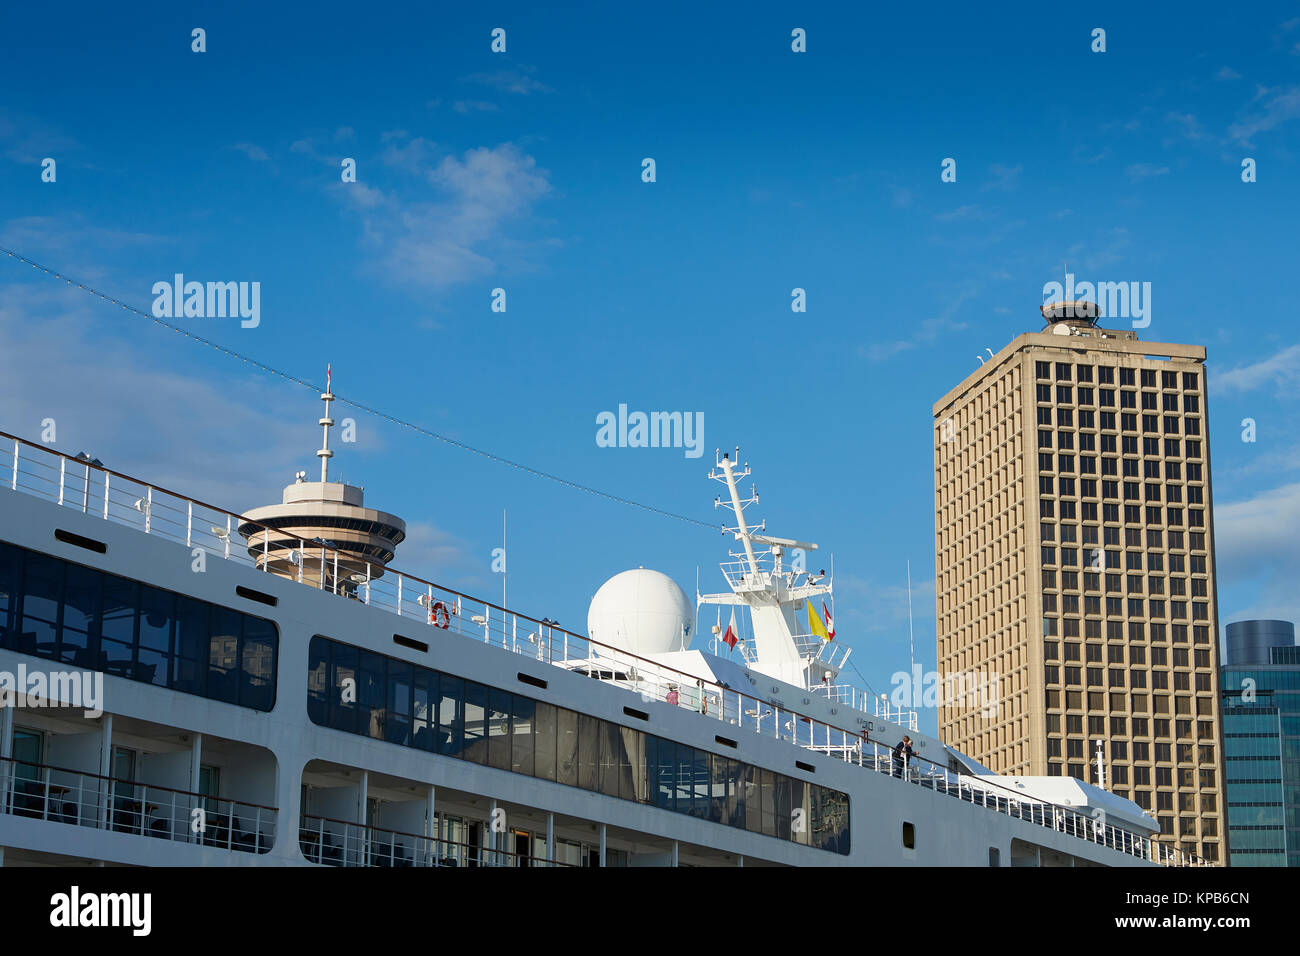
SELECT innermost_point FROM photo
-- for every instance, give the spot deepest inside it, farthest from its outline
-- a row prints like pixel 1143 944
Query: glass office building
pixel 1261 741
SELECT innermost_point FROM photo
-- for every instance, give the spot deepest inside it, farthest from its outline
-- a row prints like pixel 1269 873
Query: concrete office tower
pixel 1074 562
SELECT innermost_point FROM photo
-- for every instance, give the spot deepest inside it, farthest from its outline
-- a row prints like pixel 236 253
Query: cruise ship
pixel 189 686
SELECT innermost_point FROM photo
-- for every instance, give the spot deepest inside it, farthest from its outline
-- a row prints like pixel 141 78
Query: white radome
pixel 642 612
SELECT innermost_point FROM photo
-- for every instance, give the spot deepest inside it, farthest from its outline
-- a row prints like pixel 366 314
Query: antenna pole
pixel 505 559
pixel 325 454
pixel 742 529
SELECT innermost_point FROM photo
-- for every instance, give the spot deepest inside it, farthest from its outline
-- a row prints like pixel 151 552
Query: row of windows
pixel 365 693
pixel 1106 375
pixel 1105 398
pixel 1110 488
pixel 1133 562
pixel 1134 607
pixel 1115 582
pixel 97 621
pixel 1119 653
pixel 1088 421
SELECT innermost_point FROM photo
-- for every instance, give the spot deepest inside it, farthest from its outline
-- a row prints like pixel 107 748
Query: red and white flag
pixel 731 637
pixel 830 623
pixel 329 369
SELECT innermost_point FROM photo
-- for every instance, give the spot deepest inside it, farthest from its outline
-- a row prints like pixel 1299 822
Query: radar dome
pixel 642 612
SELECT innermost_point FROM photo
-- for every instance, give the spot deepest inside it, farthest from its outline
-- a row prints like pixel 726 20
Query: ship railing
pixel 813 648
pixel 60 795
pixel 94 489
pixel 740 577
pixel 331 842
pixel 920 771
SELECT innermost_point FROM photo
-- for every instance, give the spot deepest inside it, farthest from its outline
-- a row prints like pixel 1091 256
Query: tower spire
pixel 325 454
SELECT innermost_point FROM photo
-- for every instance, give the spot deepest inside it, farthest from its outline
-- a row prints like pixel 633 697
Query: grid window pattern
pixel 1107 554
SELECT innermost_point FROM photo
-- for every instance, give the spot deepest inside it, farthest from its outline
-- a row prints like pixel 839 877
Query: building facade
pixel 1261 743
pixel 1074 561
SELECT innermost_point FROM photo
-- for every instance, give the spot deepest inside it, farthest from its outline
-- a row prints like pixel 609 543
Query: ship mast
pixel 778 598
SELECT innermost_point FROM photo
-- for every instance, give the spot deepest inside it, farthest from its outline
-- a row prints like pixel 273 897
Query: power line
pixel 367 409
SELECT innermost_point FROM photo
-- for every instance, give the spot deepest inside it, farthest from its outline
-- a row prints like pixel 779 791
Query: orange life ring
pixel 439 610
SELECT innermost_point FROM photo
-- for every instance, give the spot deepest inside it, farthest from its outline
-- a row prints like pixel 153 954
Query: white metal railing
pixel 71 482
pixel 80 798
pixel 340 843
pixel 813 648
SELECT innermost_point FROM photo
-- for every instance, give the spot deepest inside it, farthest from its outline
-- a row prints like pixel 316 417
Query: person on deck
pixel 903 754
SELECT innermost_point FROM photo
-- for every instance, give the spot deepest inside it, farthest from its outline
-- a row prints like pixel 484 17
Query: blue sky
pixel 522 170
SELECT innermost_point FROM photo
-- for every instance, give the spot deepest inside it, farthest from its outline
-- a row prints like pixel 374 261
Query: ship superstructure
pixel 254 712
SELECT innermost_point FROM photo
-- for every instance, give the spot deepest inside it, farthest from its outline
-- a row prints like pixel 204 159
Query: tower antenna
pixel 325 454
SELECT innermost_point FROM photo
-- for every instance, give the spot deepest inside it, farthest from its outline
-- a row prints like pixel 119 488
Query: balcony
pixel 63 795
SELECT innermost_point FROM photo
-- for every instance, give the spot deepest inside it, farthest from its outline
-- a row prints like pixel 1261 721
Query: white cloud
pixel 474 106
pixel 1145 170
pixel 1255 550
pixel 453 235
pixel 1282 370
pixel 927 332
pixel 961 212
pixel 1227 73
pixel 1004 177
pixel 254 152
pixel 1280 106
pixel 510 81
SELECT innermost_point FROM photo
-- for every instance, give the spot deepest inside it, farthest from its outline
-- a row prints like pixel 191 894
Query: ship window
pixel 498 729
pixel 588 752
pixel 476 704
pixel 909 835
pixel 9 570
pixel 400 690
pixel 257 671
pixel 372 695
pixel 566 747
pixel 343 688
pixel 751 798
pixel 701 772
pixel 223 655
pixel 544 741
pixel 424 720
pixel 665 775
pixel 451 715
pixel 800 822
pixel 522 737
pixel 317 669
pixel 768 787
pixel 610 746
pixel 995 856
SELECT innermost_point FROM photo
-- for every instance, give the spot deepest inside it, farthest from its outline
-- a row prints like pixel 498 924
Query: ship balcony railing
pixel 740 577
pixel 331 842
pixel 815 650
pixel 875 756
pixel 94 490
pixel 59 795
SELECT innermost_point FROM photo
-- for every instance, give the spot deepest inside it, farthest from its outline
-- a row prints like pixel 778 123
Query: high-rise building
pixel 1074 561
pixel 1261 743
